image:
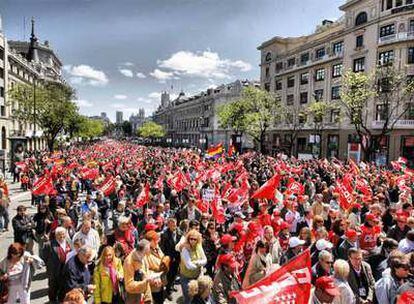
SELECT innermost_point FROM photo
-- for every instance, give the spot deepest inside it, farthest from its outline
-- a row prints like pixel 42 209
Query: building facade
pixel 137 120
pixel 308 68
pixel 193 120
pixel 23 62
pixel 119 117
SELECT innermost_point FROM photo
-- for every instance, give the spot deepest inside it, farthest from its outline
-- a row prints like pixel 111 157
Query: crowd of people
pixel 121 223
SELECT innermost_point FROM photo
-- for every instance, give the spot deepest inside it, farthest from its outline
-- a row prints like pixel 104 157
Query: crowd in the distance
pixel 170 218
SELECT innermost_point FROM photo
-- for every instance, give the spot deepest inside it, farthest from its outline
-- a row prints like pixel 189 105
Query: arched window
pixel 3 138
pixel 268 56
pixel 361 18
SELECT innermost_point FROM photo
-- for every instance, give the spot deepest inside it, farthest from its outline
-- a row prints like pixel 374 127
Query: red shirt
pixel 368 237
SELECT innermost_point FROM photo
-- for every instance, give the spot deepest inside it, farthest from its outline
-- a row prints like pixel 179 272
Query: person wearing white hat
pixel 320 245
pixel 295 247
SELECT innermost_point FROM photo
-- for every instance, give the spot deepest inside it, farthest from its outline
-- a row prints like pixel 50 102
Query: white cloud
pixel 162 76
pixel 83 103
pixel 85 74
pixel 154 95
pixel 120 97
pixel 205 64
pixel 141 75
pixel 128 63
pixel 126 73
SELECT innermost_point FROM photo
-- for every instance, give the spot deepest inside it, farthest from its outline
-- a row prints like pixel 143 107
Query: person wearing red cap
pixel 399 230
pixel 351 239
pixel 225 280
pixel 284 235
pixel 369 233
pixel 325 290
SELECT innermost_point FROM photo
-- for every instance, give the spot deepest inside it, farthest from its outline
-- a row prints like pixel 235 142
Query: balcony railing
pixel 402 124
pixel 319 60
pixel 403 36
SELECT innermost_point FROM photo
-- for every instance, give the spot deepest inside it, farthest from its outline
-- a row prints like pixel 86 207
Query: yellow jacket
pixel 141 288
pixel 103 291
pixel 154 263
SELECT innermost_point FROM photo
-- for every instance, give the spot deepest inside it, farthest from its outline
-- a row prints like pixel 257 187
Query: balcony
pixel 400 124
pixel 17 133
pixel 403 36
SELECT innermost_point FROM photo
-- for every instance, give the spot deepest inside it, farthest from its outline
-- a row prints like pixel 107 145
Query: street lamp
pixel 34 110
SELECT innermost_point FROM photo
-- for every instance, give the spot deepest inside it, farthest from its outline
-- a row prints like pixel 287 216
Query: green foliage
pixel 151 129
pixel 52 109
pixel 126 127
pixel 253 113
pixel 89 128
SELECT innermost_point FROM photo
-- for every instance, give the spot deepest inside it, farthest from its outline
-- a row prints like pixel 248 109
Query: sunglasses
pixel 329 262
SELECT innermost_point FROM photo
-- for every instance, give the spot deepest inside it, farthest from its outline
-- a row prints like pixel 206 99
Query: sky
pixel 121 54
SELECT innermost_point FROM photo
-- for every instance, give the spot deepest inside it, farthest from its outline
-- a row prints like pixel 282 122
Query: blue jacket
pixel 75 275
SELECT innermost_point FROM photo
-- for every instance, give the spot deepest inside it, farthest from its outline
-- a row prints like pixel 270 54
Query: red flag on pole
pixel 345 196
pixel 108 185
pixel 289 284
pixel 295 187
pixel 218 211
pixel 44 185
pixel 143 197
pixel 268 189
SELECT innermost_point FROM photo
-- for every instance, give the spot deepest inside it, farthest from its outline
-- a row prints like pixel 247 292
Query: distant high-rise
pixel 119 117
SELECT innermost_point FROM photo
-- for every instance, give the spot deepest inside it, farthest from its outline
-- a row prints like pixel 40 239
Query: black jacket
pixel 167 243
pixel 75 275
pixel 22 228
pixel 366 274
pixel 50 255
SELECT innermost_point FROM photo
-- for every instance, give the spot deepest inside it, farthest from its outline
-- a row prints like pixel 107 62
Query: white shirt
pixel 91 239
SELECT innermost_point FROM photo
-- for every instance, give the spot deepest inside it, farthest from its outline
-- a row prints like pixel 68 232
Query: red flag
pixel 89 174
pixel 268 188
pixel 143 197
pixel 295 187
pixel 159 184
pixel 21 165
pixel 108 185
pixel 44 185
pixel 218 211
pixel 179 181
pixel 289 284
pixel 362 185
pixel 345 196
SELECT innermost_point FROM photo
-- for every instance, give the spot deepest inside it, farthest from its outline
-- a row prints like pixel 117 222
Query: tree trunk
pixel 262 143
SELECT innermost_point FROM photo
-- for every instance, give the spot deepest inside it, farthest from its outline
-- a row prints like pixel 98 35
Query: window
pixel 385 58
pixel 279 66
pixel 384 85
pixel 303 97
pixel 291 62
pixel 398 3
pixel 338 47
pixel 320 74
pixel 267 87
pixel 409 114
pixel 3 138
pixel 410 55
pixel 335 92
pixel 267 72
pixel 290 99
pixel 291 81
pixel 318 94
pixel 2 110
pixel 387 30
pixel 389 4
pixel 359 64
pixel 1 73
pixel 411 26
pixel 304 78
pixel 320 53
pixel 381 112
pixel 301 144
pixel 278 85
pixel 361 18
pixel 1 91
pixel 359 41
pixel 304 58
pixel 302 118
pixel 334 117
pixel 337 70
pixel 268 57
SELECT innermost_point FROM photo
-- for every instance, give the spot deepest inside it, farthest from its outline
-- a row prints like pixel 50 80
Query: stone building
pixel 119 117
pixel 193 120
pixel 29 62
pixel 302 69
pixel 137 120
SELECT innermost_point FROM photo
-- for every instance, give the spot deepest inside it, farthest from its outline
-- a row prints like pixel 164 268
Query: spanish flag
pixel 232 150
pixel 215 151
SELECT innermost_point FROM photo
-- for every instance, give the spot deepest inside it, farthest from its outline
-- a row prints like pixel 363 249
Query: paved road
pixel 39 285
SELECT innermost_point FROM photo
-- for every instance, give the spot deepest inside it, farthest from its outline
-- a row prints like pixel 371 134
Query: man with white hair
pixel 54 255
pixel 88 236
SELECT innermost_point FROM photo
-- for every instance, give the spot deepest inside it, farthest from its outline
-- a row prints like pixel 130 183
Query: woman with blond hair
pixel 341 272
pixel 107 276
pixel 200 290
pixel 193 259
pixel 156 264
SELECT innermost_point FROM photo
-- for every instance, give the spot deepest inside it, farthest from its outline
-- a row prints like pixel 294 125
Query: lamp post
pixel 34 113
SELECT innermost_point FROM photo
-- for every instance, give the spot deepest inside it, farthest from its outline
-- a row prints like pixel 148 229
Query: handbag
pixel 4 288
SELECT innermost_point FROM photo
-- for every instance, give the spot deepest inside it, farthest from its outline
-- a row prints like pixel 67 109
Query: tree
pixel 319 110
pixel 151 130
pixel 390 93
pixel 52 109
pixel 295 119
pixel 126 127
pixel 90 128
pixel 253 113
